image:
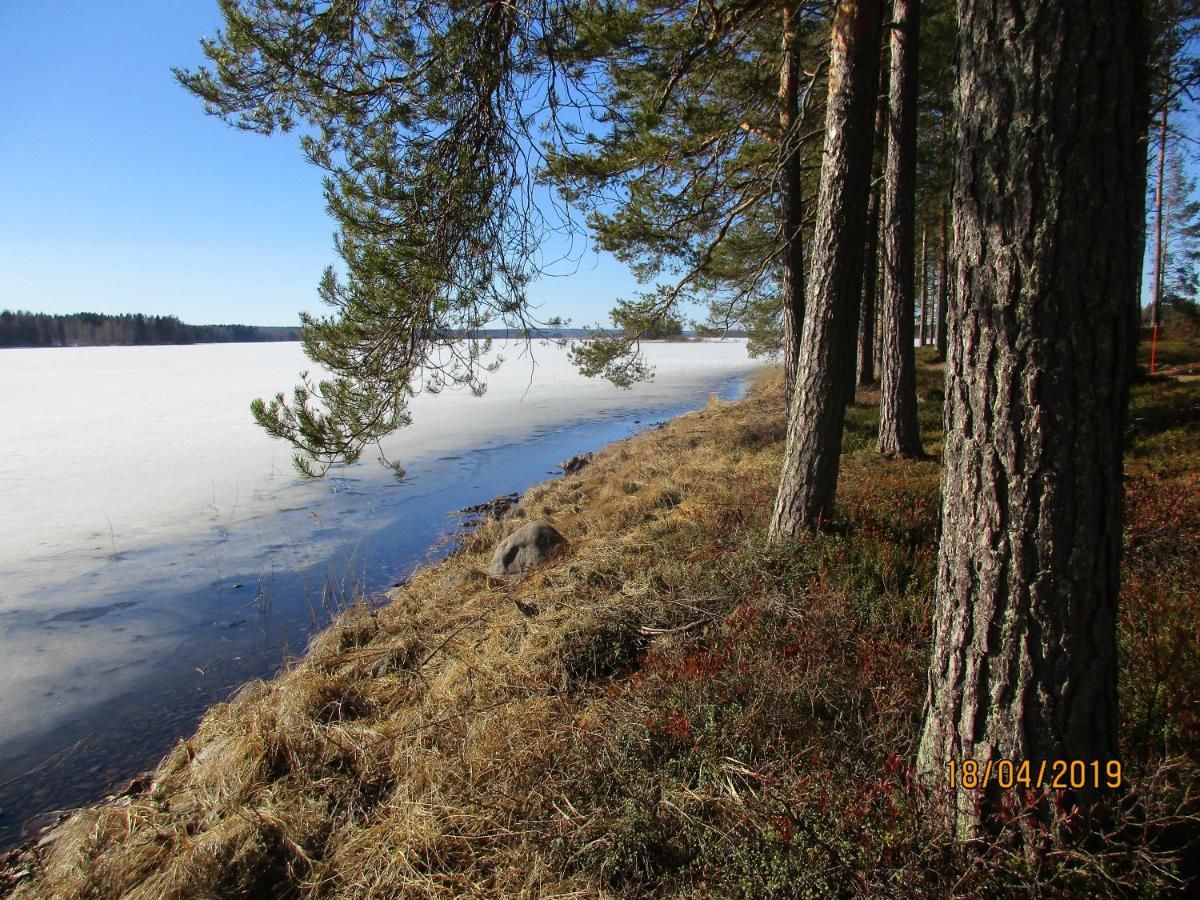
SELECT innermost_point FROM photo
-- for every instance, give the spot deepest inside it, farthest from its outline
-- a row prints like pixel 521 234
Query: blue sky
pixel 117 193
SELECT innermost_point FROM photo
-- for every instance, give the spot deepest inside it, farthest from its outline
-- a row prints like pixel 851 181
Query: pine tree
pixel 1181 236
pixel 1040 351
pixel 1175 73
pixel 680 128
pixel 935 144
pixel 899 433
pixel 943 284
pixel 426 118
pixel 817 409
pixel 869 306
pixel 697 172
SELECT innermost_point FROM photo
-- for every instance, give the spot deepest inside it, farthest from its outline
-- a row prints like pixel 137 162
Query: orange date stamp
pixel 1053 775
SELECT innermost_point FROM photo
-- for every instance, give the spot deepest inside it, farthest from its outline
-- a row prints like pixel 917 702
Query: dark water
pixel 193 644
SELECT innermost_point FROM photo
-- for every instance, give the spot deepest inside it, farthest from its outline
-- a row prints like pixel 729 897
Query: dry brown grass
pixel 673 708
pixel 400 754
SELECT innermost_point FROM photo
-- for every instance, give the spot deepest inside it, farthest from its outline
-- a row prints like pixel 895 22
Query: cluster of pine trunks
pixel 1035 315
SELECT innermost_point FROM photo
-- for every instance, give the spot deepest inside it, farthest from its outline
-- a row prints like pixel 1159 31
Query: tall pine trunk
pixel 791 194
pixel 817 411
pixel 924 287
pixel 899 433
pixel 1156 294
pixel 868 312
pixel 1047 208
pixel 878 321
pixel 943 286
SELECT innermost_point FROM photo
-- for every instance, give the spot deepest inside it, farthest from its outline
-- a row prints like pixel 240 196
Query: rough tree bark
pixel 899 434
pixel 1047 210
pixel 878 322
pixel 853 313
pixel 868 313
pixel 817 411
pixel 943 286
pixel 924 286
pixel 791 194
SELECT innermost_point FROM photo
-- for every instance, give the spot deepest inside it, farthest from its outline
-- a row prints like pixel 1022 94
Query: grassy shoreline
pixel 670 707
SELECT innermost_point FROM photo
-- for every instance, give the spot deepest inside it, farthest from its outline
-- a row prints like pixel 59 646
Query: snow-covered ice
pixel 110 450
pixel 132 474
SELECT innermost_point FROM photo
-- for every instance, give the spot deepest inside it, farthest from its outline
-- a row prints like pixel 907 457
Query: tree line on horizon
pixel 777 163
pixel 20 328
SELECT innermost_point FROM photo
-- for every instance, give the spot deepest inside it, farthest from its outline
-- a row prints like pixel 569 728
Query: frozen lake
pixel 157 549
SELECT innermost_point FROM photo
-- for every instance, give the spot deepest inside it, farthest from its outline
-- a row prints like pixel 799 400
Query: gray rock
pixel 575 463
pixel 494 508
pixel 528 546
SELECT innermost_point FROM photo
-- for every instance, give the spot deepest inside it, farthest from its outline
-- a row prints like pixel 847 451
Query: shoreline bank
pixel 243 626
pixel 673 706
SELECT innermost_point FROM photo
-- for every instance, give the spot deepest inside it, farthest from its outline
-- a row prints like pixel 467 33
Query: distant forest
pixel 27 329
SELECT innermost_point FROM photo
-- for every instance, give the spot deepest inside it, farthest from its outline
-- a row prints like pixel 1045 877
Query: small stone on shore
pixel 575 463
pixel 494 508
pixel 527 547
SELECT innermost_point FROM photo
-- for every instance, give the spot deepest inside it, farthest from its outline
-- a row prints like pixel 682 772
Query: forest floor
pixel 671 707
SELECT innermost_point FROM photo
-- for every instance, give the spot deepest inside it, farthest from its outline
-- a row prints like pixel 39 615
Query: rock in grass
pixel 494 508
pixel 575 463
pixel 528 546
